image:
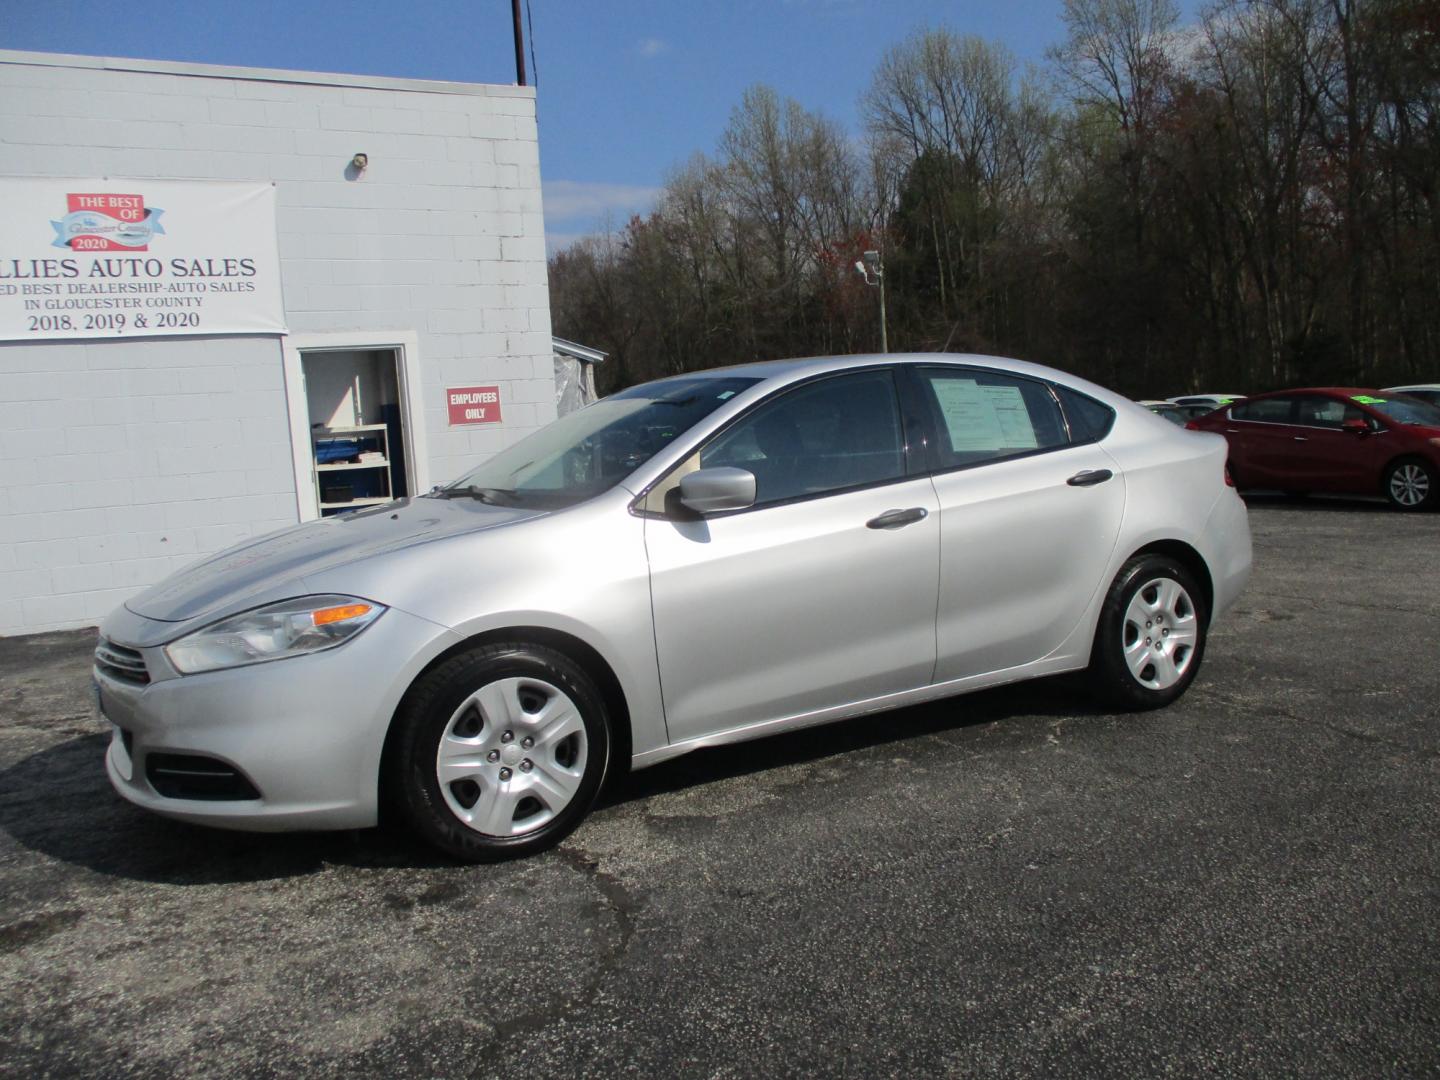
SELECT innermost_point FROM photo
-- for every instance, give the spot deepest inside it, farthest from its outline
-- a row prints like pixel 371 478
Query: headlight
pixel 306 624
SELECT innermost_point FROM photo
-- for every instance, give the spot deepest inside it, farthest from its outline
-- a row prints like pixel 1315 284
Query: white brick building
pixel 121 460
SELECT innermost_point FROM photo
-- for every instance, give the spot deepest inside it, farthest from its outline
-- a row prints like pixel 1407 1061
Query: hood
pixel 258 569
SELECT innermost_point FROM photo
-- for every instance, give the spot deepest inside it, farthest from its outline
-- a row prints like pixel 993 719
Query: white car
pixel 1424 391
pixel 1214 401
pixel 701 560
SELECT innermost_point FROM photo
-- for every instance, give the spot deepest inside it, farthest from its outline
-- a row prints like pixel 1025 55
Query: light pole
pixel 872 269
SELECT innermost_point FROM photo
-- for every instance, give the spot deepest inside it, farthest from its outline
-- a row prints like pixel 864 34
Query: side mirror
pixel 708 491
pixel 1355 427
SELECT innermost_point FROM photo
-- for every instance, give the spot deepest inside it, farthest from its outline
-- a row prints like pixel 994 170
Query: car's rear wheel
pixel 1150 638
pixel 499 752
pixel 1410 484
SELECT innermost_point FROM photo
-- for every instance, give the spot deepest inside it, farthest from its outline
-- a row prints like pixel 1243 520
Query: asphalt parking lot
pixel 1010 884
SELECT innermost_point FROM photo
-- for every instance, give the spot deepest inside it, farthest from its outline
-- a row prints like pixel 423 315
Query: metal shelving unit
pixel 372 475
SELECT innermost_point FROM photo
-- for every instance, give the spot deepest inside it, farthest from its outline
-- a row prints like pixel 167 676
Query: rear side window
pixel 1089 420
pixel 987 415
pixel 1275 410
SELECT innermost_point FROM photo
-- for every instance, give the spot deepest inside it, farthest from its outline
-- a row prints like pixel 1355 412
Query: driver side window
pixel 837 433
pixel 1324 412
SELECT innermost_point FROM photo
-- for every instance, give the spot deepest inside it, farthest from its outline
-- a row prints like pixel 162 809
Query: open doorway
pixel 353 425
pixel 357 427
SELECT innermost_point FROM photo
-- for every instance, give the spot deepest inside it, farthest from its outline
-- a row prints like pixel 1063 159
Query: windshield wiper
pixel 493 496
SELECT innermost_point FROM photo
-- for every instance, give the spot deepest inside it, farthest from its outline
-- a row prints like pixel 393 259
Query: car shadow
pixel 1058 695
pixel 1317 504
pixel 58 802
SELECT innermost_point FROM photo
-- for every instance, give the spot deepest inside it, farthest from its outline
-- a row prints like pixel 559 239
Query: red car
pixel 1334 439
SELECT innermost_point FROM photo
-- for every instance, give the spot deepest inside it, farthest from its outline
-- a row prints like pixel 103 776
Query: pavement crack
pixel 17 935
pixel 623 906
pixel 1340 729
pixel 1348 602
pixel 1365 736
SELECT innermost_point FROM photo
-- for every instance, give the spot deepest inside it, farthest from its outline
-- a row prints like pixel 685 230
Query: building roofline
pixel 273 75
pixel 579 352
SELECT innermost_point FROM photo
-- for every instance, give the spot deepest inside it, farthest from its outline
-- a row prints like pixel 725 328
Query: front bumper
pixel 306 732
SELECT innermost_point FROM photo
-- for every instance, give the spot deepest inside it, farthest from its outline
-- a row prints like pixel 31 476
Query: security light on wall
pixel 359 161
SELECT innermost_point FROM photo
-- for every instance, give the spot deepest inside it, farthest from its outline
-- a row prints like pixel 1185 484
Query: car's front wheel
pixel 1150 638
pixel 1410 485
pixel 499 752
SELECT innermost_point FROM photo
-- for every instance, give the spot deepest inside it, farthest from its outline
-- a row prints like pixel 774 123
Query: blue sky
pixel 627 89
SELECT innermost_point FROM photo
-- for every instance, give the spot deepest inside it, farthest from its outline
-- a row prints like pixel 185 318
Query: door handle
pixel 1089 477
pixel 1232 431
pixel 1300 438
pixel 894 519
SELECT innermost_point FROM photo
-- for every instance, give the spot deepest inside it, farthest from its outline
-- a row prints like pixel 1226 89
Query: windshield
pixel 1404 410
pixel 591 450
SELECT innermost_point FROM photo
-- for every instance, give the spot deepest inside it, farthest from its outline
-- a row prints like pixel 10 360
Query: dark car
pixel 1194 411
pixel 1169 411
pixel 1342 440
pixel 1178 414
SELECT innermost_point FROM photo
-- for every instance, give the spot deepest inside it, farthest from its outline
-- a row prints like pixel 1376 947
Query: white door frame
pixel 406 346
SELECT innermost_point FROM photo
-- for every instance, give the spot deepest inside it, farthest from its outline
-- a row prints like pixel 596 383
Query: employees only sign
pixel 473 404
pixel 137 258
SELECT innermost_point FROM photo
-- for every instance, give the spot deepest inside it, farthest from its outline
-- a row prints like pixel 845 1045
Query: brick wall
pixel 120 461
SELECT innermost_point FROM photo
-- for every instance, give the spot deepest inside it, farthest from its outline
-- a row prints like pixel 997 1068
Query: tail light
pixel 1229 480
pixel 1191 425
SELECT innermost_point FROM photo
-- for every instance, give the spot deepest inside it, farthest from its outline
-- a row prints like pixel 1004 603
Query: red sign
pixel 104 221
pixel 473 404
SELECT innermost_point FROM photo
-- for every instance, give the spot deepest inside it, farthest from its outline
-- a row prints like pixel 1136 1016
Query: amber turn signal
pixel 326 616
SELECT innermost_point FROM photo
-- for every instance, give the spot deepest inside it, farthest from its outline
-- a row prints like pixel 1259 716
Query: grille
pixel 191 776
pixel 121 663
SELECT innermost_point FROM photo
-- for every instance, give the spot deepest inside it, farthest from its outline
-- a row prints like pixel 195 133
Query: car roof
pixel 808 365
pixel 1334 391
pixel 804 367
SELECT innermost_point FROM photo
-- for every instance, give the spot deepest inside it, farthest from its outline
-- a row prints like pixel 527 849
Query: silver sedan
pixel 701 560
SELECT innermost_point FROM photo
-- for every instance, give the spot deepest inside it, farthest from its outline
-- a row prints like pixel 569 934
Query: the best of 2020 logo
pixel 107 222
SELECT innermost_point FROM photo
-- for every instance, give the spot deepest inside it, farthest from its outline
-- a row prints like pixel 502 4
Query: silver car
pixel 1424 391
pixel 701 560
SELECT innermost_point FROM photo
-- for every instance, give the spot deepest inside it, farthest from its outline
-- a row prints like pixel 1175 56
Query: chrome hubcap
pixel 1159 633
pixel 512 756
pixel 1409 485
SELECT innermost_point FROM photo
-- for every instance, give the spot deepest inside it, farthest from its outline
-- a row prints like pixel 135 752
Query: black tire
pixel 532 679
pixel 1119 637
pixel 1411 484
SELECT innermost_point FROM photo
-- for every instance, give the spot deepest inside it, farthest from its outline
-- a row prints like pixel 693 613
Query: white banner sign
pixel 137 258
